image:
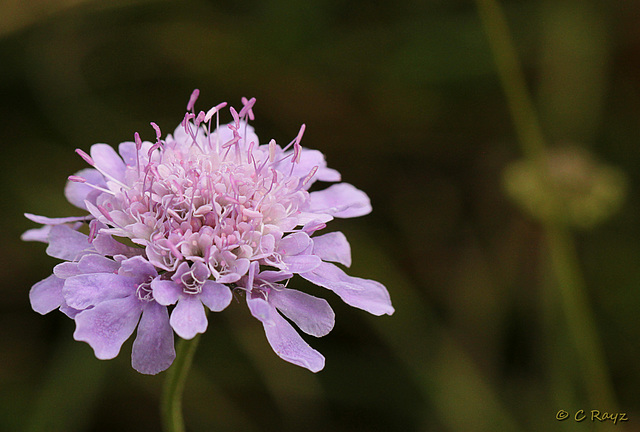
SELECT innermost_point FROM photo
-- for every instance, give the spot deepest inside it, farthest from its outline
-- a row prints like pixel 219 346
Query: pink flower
pixel 186 219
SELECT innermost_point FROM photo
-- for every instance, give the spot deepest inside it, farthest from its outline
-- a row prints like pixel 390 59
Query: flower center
pixel 144 292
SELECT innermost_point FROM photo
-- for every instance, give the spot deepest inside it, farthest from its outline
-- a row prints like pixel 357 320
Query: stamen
pixel 246 109
pixel 93 230
pixel 300 133
pixel 272 150
pixel 157 129
pixel 306 180
pixel 174 250
pixel 235 116
pixel 105 213
pixel 78 179
pixel 144 292
pixel 192 99
pixel 214 110
pixel 136 138
pixel 85 156
pixel 250 152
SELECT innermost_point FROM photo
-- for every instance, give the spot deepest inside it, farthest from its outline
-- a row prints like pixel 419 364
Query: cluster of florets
pixel 175 225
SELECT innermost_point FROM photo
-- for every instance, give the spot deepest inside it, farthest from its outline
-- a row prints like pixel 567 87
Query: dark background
pixel 403 99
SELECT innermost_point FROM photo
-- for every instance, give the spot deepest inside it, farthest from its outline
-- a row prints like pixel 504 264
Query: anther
pixel 192 99
pixel 246 109
pixel 157 129
pixel 88 159
pixel 77 179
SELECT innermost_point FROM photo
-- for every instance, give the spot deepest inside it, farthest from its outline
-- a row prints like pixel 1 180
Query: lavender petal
pixel 311 314
pixel 153 350
pixel 340 200
pixel 37 234
pixel 105 244
pixel 365 294
pixel 138 268
pixel 283 338
pixel 333 247
pixel 295 244
pixel 301 263
pixel 86 290
pixel 67 244
pixel 108 325
pixel 55 221
pixel 165 292
pixel 188 317
pixel 215 296
pixel 46 295
pixel 108 161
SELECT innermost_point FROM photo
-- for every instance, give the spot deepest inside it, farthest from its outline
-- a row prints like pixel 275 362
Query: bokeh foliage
pixel 404 100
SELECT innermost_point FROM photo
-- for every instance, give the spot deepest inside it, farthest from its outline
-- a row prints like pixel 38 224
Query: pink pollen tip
pixel 272 150
pixel 310 175
pixel 192 99
pixel 235 116
pixel 300 133
pixel 136 138
pixel 297 152
pixel 157 129
pixel 105 213
pixel 247 108
pixel 85 156
pixel 200 118
pixel 77 179
pixel 174 250
pixel 214 110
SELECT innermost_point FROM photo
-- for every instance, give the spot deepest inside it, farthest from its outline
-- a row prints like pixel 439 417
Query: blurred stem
pixel 174 385
pixel 511 75
pixel 582 329
pixel 562 251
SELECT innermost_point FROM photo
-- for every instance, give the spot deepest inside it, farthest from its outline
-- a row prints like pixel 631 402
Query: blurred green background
pixel 404 100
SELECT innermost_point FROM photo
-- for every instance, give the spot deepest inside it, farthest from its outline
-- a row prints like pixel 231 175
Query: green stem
pixel 562 252
pixel 174 385
pixel 580 318
pixel 523 114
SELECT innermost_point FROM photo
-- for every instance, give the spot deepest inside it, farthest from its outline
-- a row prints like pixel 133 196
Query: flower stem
pixel 174 385
pixel 562 253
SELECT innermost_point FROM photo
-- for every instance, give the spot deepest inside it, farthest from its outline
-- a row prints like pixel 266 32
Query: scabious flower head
pixel 177 224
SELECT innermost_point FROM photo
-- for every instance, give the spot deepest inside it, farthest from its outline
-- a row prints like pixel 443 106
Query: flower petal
pixel 37 234
pixel 105 244
pixel 340 200
pixel 295 244
pixel 138 268
pixel 108 161
pixel 215 296
pixel 311 314
pixel 165 292
pixel 310 159
pixel 301 263
pixel 334 247
pixel 66 270
pixel 365 294
pixel 54 221
pixel 188 317
pixel 153 350
pixel 86 290
pixel 67 244
pixel 76 193
pixel 283 338
pixel 46 295
pixel 108 325
pixel 94 263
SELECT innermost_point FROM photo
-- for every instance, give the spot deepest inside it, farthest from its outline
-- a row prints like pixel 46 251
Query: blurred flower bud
pixel 575 189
